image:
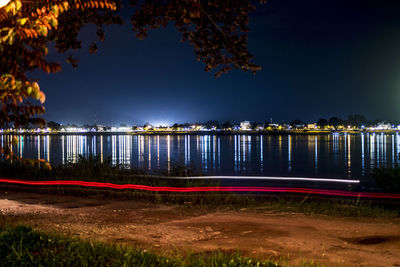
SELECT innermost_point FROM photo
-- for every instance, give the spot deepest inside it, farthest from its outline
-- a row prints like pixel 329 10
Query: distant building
pixel 245 125
pixel 147 127
pixel 163 128
pixel 124 129
pixel 259 127
pixel 381 126
pixel 185 128
pixel 197 127
pixel 312 126
pixel 75 129
pixel 273 127
pixel 100 128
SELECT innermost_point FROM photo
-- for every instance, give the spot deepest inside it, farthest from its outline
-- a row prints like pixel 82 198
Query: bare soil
pixel 327 240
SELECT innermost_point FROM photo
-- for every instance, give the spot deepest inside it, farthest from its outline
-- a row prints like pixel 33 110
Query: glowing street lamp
pixel 3 3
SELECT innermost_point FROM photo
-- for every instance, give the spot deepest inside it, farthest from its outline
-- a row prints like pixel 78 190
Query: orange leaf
pixel 42 97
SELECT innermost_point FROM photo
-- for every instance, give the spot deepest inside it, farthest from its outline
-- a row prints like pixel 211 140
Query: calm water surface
pixel 335 155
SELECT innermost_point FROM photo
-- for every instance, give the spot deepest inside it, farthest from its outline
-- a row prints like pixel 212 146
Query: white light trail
pixel 347 181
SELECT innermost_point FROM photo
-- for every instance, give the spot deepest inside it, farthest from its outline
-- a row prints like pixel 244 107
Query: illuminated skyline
pixel 319 59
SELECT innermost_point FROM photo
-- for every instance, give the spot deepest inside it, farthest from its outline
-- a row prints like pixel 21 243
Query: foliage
pixel 387 178
pixel 322 123
pixel 297 123
pixel 227 125
pixel 212 124
pixel 216 29
pixel 254 125
pixel 335 122
pixel 54 125
pixel 22 246
pixel 26 29
pixel 356 120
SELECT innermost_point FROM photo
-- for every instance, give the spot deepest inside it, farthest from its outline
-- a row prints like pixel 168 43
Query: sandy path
pixel 330 241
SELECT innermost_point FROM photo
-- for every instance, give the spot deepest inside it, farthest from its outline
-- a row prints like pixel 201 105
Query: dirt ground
pixel 330 241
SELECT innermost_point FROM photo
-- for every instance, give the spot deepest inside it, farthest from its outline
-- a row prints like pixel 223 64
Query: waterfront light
pixel 75 130
pixel 124 129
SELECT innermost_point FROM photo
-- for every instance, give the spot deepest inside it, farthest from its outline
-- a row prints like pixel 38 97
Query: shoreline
pixel 218 133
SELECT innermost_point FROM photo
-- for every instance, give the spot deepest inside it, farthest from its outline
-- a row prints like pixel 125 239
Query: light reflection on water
pixel 289 153
pixel 335 155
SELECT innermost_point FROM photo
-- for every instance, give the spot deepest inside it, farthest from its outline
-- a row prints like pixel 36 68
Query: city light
pixel 242 127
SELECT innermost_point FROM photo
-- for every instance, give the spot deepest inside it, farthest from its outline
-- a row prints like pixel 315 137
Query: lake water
pixel 333 155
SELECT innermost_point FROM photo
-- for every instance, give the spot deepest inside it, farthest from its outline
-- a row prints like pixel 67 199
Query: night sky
pixel 319 59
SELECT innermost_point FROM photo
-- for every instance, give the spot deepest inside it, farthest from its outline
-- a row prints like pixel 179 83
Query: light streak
pixel 149 154
pixel 289 153
pixel 62 149
pixel 207 189
pixel 101 149
pixel 114 150
pixel 158 151
pixel 245 153
pixel 38 155
pixel 347 181
pixel 236 153
pixel 214 150
pixel 348 155
pixel 21 145
pixel 47 142
pixel 316 153
pixel 168 154
pixel 261 154
pixel 219 152
pixel 362 155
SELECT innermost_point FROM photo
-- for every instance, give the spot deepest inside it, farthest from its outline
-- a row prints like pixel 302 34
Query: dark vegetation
pixel 353 120
pixel 91 169
pixel 22 246
pixel 388 178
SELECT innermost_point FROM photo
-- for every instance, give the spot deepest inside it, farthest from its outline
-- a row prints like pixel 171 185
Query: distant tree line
pixel 353 120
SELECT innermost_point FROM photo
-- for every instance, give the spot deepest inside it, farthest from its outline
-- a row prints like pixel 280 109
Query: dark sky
pixel 319 59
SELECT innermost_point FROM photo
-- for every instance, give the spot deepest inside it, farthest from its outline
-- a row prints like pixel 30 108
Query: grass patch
pixel 91 169
pixel 345 208
pixel 388 178
pixel 230 201
pixel 23 246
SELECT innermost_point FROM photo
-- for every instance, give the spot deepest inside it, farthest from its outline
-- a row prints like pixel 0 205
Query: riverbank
pixel 211 132
pixel 257 232
pixel 89 177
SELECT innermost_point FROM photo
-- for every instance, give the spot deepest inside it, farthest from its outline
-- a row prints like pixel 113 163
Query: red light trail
pixel 207 189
